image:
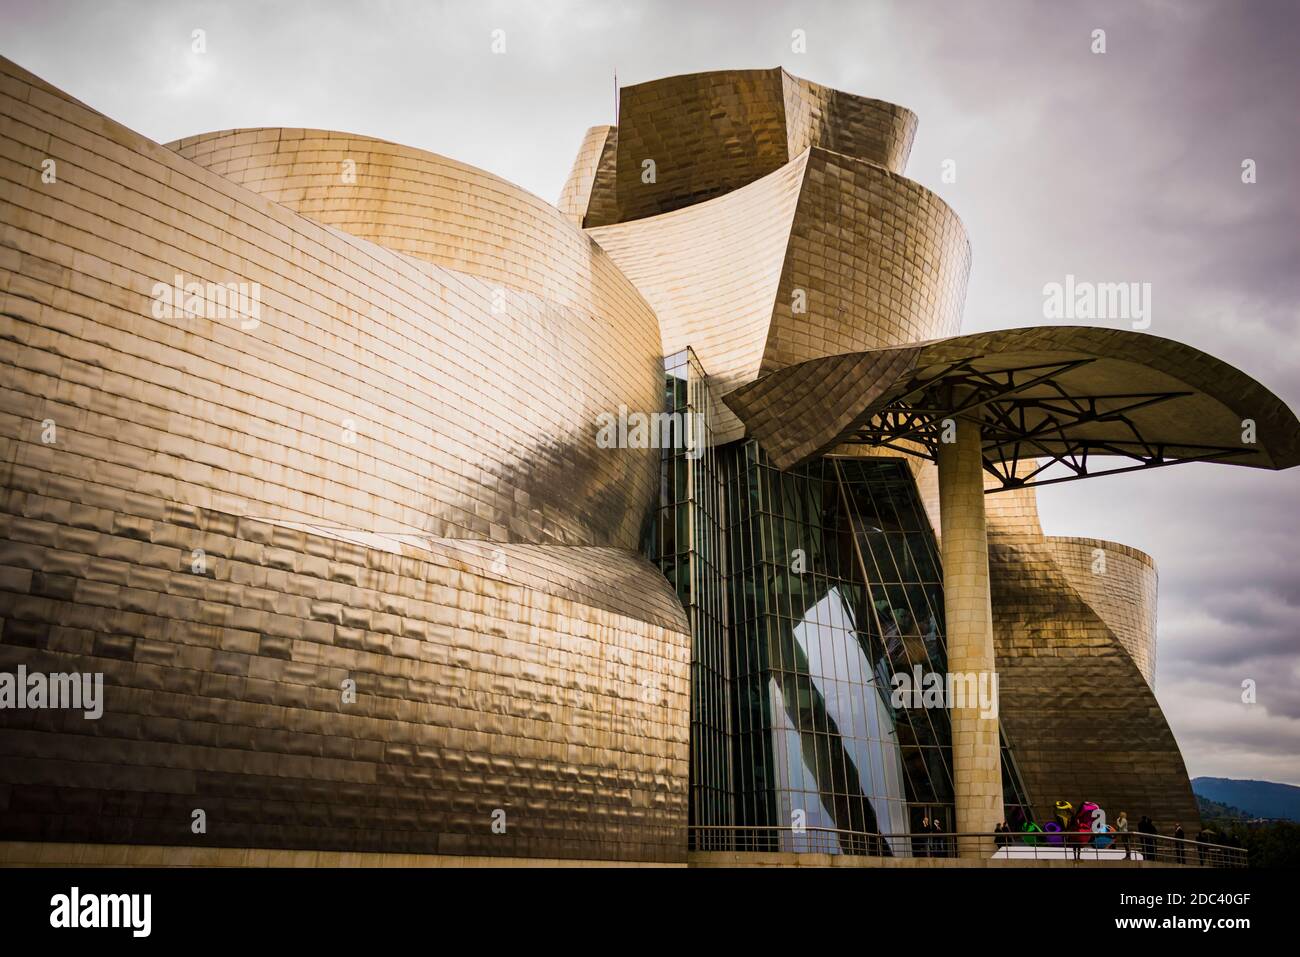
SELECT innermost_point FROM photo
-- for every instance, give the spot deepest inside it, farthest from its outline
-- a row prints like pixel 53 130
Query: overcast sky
pixel 1115 167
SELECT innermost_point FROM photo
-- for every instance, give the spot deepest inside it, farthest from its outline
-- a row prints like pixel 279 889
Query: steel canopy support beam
pixel 1054 428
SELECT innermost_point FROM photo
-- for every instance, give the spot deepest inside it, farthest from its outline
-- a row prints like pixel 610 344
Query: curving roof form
pixel 1062 394
pixel 592 174
pixel 714 132
pixel 424 205
pixel 1074 645
pixel 825 255
pixel 881 259
pixel 235 519
pixel 1076 707
pixel 857 126
pixel 1120 584
pixel 431 358
pixel 712 272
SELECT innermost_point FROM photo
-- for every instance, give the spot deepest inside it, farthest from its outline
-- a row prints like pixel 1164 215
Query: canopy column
pixel 976 757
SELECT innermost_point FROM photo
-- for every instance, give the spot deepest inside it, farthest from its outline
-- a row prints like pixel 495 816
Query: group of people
pixel 1205 838
pixel 940 845
pixel 1080 823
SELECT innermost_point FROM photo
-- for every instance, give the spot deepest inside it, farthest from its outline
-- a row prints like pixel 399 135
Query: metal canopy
pixel 1041 397
pixel 1018 426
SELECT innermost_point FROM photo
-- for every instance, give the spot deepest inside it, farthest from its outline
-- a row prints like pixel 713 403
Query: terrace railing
pixel 1071 846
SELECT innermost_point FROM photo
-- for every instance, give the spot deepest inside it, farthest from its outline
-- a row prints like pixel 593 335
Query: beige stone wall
pixel 976 761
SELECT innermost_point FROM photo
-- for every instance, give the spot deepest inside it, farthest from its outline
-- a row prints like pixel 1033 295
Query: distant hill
pixel 1217 813
pixel 1251 798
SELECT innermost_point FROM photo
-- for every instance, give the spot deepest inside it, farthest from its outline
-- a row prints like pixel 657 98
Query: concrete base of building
pixel 36 854
pixel 778 859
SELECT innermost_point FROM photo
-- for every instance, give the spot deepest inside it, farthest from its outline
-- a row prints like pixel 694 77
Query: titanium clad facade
pixel 300 449
pixel 592 175
pixel 1077 701
pixel 476 693
pixel 708 134
pixel 825 255
pixel 357 577
pixel 1119 583
pixel 711 272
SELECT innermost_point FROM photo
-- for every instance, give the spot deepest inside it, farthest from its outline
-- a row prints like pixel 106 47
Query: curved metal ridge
pixel 1066 394
pixel 743 280
pixel 709 133
pixel 243 524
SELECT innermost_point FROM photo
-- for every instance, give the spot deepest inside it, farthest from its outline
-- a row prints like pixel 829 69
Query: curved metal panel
pixel 306 691
pixel 1119 583
pixel 707 134
pixel 865 129
pixel 800 264
pixel 591 180
pixel 1076 702
pixel 232 508
pixel 427 206
pixel 1114 391
pixel 711 272
pixel 1080 716
pixel 376 391
pixel 874 260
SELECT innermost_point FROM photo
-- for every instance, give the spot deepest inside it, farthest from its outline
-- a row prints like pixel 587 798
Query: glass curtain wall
pixel 808 590
pixel 685 540
pixel 834 588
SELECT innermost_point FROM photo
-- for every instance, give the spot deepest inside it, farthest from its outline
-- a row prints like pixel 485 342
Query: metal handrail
pixel 1071 846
